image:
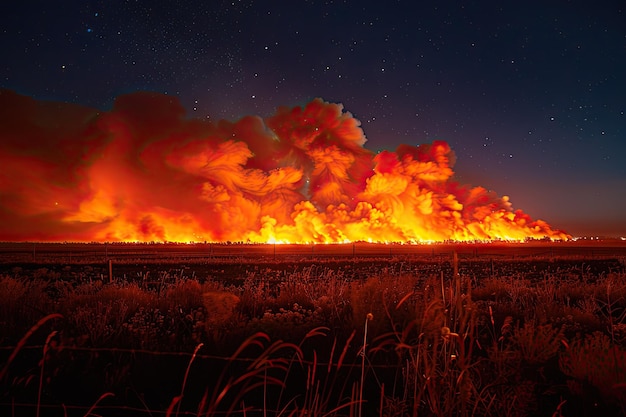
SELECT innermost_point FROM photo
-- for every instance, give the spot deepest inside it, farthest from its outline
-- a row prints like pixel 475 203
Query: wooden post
pixel 457 277
pixel 443 290
pixel 110 271
pixel 455 264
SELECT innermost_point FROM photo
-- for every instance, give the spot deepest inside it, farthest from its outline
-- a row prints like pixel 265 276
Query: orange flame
pixel 144 172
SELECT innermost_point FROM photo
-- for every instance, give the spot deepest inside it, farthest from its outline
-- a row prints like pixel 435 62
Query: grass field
pixel 498 329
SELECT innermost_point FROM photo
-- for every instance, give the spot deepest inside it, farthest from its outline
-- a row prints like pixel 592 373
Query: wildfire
pixel 144 172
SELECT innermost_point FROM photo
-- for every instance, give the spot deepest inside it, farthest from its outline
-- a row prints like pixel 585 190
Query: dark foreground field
pixel 358 329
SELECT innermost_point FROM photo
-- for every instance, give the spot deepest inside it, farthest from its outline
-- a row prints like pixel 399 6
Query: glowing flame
pixel 144 172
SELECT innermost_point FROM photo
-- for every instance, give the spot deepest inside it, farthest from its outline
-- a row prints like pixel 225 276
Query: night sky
pixel 531 96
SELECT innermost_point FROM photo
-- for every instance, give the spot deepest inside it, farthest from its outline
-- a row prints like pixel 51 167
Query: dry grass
pixel 325 345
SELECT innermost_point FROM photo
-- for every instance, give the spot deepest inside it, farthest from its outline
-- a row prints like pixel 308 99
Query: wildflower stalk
pixel 369 317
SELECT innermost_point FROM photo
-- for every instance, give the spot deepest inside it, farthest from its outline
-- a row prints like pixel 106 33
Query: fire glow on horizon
pixel 144 172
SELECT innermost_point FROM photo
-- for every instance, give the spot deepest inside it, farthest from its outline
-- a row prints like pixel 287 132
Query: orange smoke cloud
pixel 144 172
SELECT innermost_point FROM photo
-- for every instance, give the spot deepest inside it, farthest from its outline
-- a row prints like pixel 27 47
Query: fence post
pixel 457 282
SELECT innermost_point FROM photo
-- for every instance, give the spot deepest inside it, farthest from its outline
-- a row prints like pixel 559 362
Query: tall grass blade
pixel 23 340
pixel 41 372
pixel 182 390
pixel 93 407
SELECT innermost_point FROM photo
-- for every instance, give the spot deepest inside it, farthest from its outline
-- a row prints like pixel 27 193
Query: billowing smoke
pixel 143 171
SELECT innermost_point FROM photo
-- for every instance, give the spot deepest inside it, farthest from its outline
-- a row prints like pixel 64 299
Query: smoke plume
pixel 143 171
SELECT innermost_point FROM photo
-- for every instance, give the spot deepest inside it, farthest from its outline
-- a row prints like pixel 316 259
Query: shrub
pixel 382 296
pixel 596 361
pixel 185 295
pixel 22 302
pixel 537 343
pixel 219 307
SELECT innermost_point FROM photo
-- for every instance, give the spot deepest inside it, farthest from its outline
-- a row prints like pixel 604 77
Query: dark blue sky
pixel 530 95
